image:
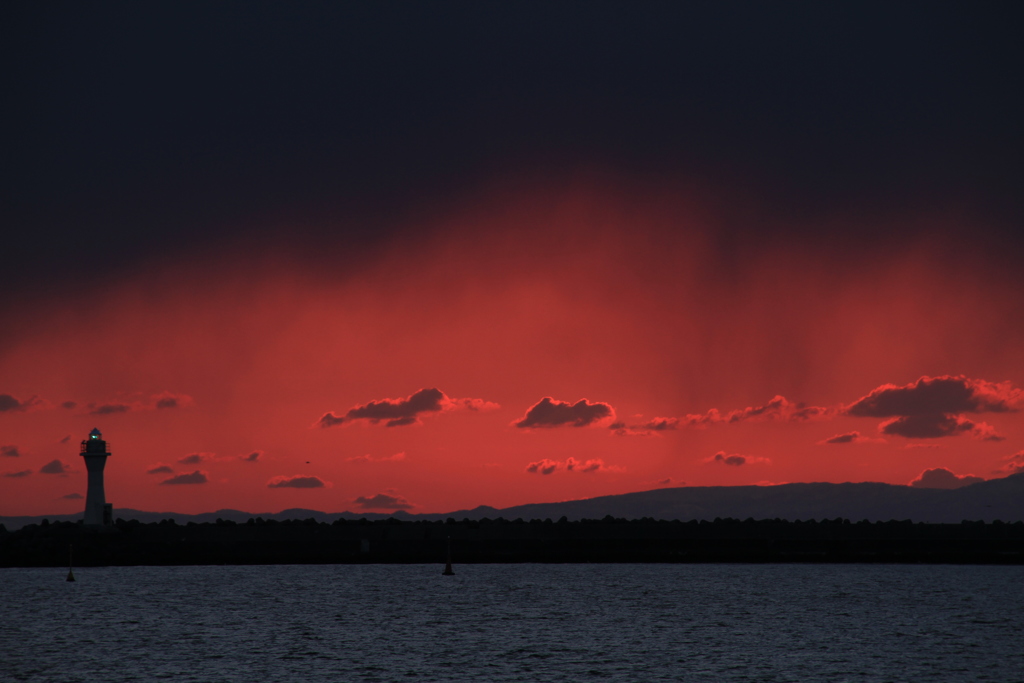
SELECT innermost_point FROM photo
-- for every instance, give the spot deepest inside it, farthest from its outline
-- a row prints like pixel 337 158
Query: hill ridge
pixel 1001 499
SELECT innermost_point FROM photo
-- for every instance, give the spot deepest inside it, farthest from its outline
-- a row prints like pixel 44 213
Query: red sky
pixel 342 257
pixel 642 303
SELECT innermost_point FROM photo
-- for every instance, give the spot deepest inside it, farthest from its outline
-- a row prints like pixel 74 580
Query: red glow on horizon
pixel 570 321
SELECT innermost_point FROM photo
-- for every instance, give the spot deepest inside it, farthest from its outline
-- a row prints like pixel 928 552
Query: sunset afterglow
pixel 592 305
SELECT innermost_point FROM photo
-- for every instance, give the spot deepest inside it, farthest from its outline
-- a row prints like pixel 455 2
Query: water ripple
pixel 514 623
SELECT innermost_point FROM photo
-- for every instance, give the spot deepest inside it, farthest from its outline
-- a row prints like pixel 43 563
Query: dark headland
pixel 981 523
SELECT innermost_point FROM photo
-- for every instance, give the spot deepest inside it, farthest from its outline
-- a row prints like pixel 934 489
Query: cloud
pixel 68 405
pixel 161 468
pixel 330 420
pixel 934 407
pixel 252 457
pixel 930 396
pixel 936 426
pixel 10 404
pixel 55 467
pixel 475 404
pixel 397 457
pixel 649 428
pixel 546 466
pixel 551 413
pixel 162 401
pixel 941 478
pixel 297 482
pixel 779 408
pixel 399 412
pixel 594 465
pixel 196 458
pixel 1014 464
pixel 66 439
pixel 9 451
pixel 735 459
pixel 196 477
pixel 18 475
pixel 167 400
pixel 72 496
pixel 383 501
pixel 849 437
pixel 109 408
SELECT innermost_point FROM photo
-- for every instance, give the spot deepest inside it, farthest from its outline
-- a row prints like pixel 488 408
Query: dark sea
pixel 522 622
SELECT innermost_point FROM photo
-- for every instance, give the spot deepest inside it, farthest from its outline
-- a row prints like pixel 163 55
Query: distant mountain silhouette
pixel 1001 499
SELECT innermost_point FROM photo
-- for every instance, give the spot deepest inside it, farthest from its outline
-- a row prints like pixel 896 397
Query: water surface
pixel 514 623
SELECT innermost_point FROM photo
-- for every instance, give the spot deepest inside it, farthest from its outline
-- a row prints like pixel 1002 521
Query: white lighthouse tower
pixel 94 450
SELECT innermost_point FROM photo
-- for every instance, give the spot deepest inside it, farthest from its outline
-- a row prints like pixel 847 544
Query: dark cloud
pixel 196 477
pixel 735 459
pixel 330 420
pixel 649 428
pixel 109 408
pixel 196 458
pixel 383 501
pixel 55 467
pixel 66 439
pixel 941 478
pixel 167 400
pixel 1014 464
pixel 937 426
pixel 546 466
pixel 9 451
pixel 10 404
pixel 68 405
pixel 73 496
pixel 849 437
pixel 587 466
pixel 551 413
pixel 162 401
pixel 779 408
pixel 18 475
pixel 161 469
pixel 934 407
pixel 930 396
pixel 252 457
pixel 399 412
pixel 296 482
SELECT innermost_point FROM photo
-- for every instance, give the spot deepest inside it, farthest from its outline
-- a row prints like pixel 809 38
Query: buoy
pixel 448 565
pixel 71 574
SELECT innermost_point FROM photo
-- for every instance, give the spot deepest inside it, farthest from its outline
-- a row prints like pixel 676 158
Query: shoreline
pixel 391 541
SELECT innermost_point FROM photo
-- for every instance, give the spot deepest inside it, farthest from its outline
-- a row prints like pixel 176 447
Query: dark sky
pixel 446 254
pixel 134 129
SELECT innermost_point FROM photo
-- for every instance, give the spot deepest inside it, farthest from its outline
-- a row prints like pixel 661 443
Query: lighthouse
pixel 94 450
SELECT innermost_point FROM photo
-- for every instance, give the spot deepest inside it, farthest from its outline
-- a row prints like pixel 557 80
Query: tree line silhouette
pixel 260 541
